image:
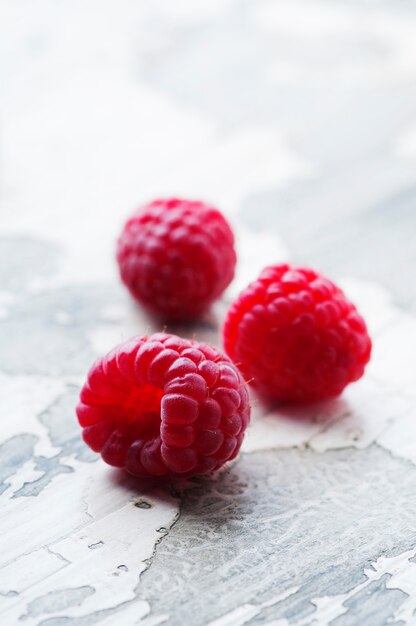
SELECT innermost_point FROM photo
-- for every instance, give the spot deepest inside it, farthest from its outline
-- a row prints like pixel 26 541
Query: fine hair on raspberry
pixel 176 257
pixel 164 406
pixel 296 335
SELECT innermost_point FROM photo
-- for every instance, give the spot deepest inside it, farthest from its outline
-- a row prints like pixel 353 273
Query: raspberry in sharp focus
pixel 176 257
pixel 296 335
pixel 164 406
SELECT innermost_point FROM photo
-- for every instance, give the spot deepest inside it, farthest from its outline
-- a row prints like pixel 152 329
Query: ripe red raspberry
pixel 164 406
pixel 176 257
pixel 295 333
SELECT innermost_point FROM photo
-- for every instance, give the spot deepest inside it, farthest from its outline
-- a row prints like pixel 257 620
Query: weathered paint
pixel 298 118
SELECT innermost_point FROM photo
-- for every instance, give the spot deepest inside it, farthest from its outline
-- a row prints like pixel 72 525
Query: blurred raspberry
pixel 176 257
pixel 296 335
pixel 164 406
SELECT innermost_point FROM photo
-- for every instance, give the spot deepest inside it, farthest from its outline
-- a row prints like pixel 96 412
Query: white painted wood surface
pixel 298 119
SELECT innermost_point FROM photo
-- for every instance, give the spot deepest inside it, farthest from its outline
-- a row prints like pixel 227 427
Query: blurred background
pixel 297 117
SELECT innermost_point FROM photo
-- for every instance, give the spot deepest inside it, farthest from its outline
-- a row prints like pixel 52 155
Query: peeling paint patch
pixel 58 600
pixel 13 454
pixel 374 605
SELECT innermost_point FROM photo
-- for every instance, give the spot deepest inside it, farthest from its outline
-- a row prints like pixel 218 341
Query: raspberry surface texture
pixel 176 257
pixel 296 335
pixel 164 406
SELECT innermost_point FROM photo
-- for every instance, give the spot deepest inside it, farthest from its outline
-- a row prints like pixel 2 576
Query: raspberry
pixel 295 333
pixel 164 406
pixel 176 257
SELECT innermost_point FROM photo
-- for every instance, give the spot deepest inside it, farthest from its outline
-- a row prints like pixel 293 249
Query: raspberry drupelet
pixel 296 335
pixel 176 257
pixel 161 406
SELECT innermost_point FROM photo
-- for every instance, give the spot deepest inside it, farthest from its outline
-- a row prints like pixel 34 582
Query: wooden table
pixel 297 117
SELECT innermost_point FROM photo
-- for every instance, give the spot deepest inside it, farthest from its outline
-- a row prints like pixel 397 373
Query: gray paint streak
pixel 59 600
pixel 64 432
pixel 283 519
pixel 14 453
pixel 372 605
